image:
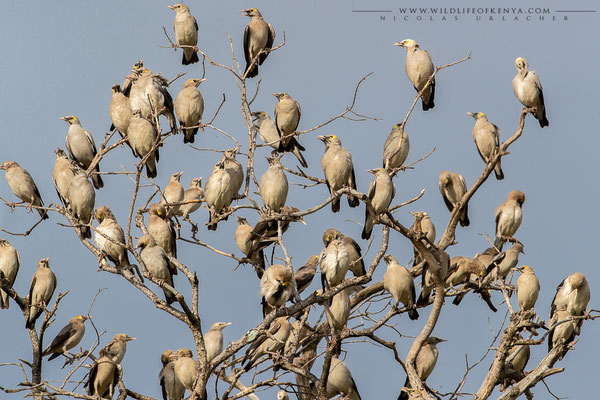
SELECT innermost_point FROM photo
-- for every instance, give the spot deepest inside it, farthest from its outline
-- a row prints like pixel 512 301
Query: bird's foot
pixel 175 46
pixel 196 49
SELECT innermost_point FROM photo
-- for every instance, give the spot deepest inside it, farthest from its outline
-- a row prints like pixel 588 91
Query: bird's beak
pixel 64 118
pixel 199 81
pixel 131 338
pixel 303 222
pixel 399 44
pixel 471 114
pixel 285 284
pixel 180 173
pixel 227 324
pixel 246 12
pixel 275 94
pixel 171 7
pixel 322 138
pixel 443 340
pixel 371 171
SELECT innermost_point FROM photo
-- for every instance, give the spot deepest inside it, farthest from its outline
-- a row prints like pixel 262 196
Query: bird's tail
pixel 86 232
pixel 498 171
pixel 3 300
pixel 404 395
pixel 43 214
pixel 353 201
pixel 191 60
pixel 335 205
pixel 252 72
pixel 464 218
pixel 189 135
pixel 430 104
pixel 368 227
pixel 299 156
pixel 97 179
pixel 151 170
pixel 498 243
pixel 413 314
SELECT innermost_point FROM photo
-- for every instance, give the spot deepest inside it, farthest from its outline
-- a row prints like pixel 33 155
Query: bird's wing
pixel 538 85
pixel 92 378
pixel 553 304
pixel 65 333
pixel 446 201
pixel 90 140
pixel 247 44
pixel 299 113
pixel 372 189
pixel 33 282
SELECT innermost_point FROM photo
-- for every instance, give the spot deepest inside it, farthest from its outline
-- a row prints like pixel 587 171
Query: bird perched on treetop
pixel 287 117
pixel 381 193
pixel 419 69
pixel 9 267
pixel 213 340
pixel 109 227
pixel 173 193
pixel 357 264
pixel 141 136
pixel 279 331
pixel 82 199
pixel 258 39
pixel 338 169
pixel 68 337
pixel 528 89
pixel 424 362
pixel 189 107
pixel 186 33
pixel 395 148
pixel 149 94
pixel 43 284
pixel 508 217
pixel 277 286
pixel 487 139
pixel 22 185
pixel 453 187
pixel 267 130
pixel 62 175
pixel 158 264
pixel 340 381
pixel 116 348
pixel 400 284
pixel 81 148
pixel 103 378
pixel 273 188
pixel 161 229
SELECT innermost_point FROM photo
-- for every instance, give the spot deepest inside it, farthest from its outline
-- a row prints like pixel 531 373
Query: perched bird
pixel 508 217
pixel 305 274
pixel 277 286
pixel 338 311
pixel 23 186
pixel 119 110
pixel 427 277
pixel 340 381
pixel 400 284
pixel 419 68
pixel 424 362
pixel 267 130
pixel 488 260
pixel 244 241
pixel 186 368
pixel 136 70
pixel 173 193
pixel 357 265
pixel 158 264
pixel 194 193
pixel 189 107
pixel 334 262
pixel 528 89
pixel 109 227
pixel 266 230
pixel 487 139
pixel 501 270
pixel 279 331
pixel 528 288
pixel 518 357
pixel 425 225
pixel 381 192
pixel 172 388
pixel 103 378
pixel 395 148
pixel 43 284
pixel 453 187
pixel 9 267
pixel 282 395
pixel 287 117
pixel 218 193
pixel 141 136
pixel 339 170
pixel 62 175
pixel 115 349
pixel 235 170
pixel 149 94
pixel 258 40
pixel 273 188
pixel 464 269
pixel 161 229
pixel 301 333
pixel 82 199
pixel 68 337
pixel 213 340
pixel 572 294
pixel 81 147
pixel 565 331
pixel 186 33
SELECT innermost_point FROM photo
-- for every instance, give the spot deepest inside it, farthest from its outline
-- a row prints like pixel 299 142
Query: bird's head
pixel 251 12
pixel 123 337
pixel 179 8
pixel 521 64
pixel 477 115
pixel 158 209
pixel 407 44
pixel 43 263
pixel 71 120
pixel 8 164
pixel 116 88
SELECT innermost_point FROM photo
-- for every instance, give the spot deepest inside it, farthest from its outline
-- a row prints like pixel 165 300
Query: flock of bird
pixel 134 109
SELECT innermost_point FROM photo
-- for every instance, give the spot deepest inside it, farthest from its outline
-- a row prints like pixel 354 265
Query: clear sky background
pixel 62 58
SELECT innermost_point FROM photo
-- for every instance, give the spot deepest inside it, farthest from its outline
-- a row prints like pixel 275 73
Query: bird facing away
pixel 528 288
pixel 419 69
pixel 193 193
pixel 572 294
pixel 487 140
pixel 266 230
pixel 136 70
pixel 357 264
pixel 43 284
pixel 267 130
pixel 518 357
pixel 186 368
pixel 338 311
pixel 528 89
pixel 119 110
pixel 282 395
pixel 508 217
pixel 149 94
pixel 424 362
pixel 82 199
pixel 277 286
pixel 565 331
pixel 340 381
pixel 381 192
pixel 103 378
pixel 287 118
pixel 258 41
pixel 235 170
pixel 453 187
pixel 395 148
pixel 172 388
pixel 244 241
pixel 273 188
pixel 305 274
pixel 158 264
pixel 115 349
pixel 427 277
pixel 279 331
pixel 189 107
pixel 338 169
pixel 334 262
pixel 464 269
pixel 173 193
pixel 186 32
pixel 218 193
pixel 400 284
pixel 213 340
pixel 425 225
pixel 141 136
pixel 22 185
pixel 161 229
pixel 62 175
pixel 81 147
pixel 109 227
pixel 68 337
pixel 502 270
pixel 9 267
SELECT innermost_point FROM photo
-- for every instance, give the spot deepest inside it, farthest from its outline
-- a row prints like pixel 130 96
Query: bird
pixel 267 130
pixel 334 262
pixel 82 199
pixel 235 170
pixel 487 140
pixel 173 193
pixel 9 267
pixel 453 187
pixel 68 337
pixel 193 193
pixel 501 270
pixel 158 264
pixel 518 357
pixel 572 294
pixel 213 340
pixel 186 368
pixel 381 193
pixel 427 277
pixel 395 148
pixel 171 387
pixel 81 147
pixel 186 33
pixel 149 94
pixel 419 68
pixel 424 362
pixel 273 188
pixel 425 225
pixel 339 170
pixel 189 107
pixel 62 175
pixel 103 378
pixel 566 330
pixel 22 185
pixel 305 274
pixel 338 311
pixel 115 349
pixel 488 260
pixel 528 288
pixel 258 41
pixel 528 89
pixel 244 241
pixel 357 264
pixel 287 117
pixel 161 229
pixel 463 270
pixel 109 227
pixel 43 284
pixel 301 333
pixel 142 136
pixel 278 333
pixel 277 286
pixel 282 395
pixel 508 217
pixel 340 381
pixel 119 111
pixel 134 74
pixel 266 230
pixel 218 193
pixel 398 281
